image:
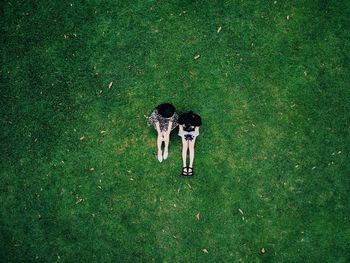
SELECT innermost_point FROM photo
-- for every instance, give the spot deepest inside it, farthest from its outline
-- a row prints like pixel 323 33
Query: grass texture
pixel 79 178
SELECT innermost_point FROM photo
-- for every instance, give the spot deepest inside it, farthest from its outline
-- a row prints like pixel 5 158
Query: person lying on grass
pixel 164 119
pixel 189 124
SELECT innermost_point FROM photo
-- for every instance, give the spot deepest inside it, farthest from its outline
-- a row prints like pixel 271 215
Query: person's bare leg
pixel 184 152
pixel 191 149
pixel 166 146
pixel 159 146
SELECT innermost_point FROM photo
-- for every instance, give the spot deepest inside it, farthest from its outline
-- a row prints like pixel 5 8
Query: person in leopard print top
pixel 164 119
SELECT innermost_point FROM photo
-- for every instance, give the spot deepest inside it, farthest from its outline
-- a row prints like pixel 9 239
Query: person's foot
pixel 184 171
pixel 189 171
pixel 160 157
pixel 165 155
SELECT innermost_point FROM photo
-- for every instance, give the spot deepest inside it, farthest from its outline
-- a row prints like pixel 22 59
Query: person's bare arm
pixel 170 125
pixel 181 129
pixel 158 127
pixel 196 131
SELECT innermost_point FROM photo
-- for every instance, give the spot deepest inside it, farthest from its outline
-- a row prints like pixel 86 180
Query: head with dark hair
pixel 190 120
pixel 187 118
pixel 166 110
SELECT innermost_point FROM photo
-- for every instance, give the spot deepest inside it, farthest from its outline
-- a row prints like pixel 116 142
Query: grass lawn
pixel 80 181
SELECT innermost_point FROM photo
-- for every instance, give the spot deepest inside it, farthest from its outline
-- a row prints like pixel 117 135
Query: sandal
pixel 190 172
pixel 184 171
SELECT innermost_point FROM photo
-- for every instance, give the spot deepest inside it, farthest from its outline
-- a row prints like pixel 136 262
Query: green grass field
pixel 79 178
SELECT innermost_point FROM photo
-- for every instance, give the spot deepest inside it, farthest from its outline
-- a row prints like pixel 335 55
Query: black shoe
pixel 184 171
pixel 190 171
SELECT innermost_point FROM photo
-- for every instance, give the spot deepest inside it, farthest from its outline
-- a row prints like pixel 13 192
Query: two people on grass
pixel 165 119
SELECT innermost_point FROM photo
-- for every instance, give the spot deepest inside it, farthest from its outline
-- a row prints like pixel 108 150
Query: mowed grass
pixel 79 177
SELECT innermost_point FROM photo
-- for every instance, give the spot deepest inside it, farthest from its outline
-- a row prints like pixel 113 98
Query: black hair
pixel 166 110
pixel 190 119
pixel 187 118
